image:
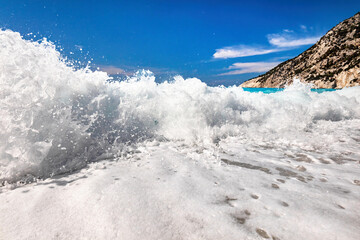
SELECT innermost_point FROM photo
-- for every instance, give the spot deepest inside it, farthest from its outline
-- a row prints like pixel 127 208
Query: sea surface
pixel 274 90
pixel 84 157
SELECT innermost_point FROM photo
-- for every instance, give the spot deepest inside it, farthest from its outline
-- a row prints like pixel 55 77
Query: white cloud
pixel 303 27
pixel 250 67
pixel 287 41
pixel 288 30
pixel 242 51
pixel 112 70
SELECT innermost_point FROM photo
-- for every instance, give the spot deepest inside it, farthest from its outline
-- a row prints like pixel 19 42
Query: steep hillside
pixel 333 62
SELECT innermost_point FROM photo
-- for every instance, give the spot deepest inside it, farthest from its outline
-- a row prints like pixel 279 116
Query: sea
pixel 85 157
pixel 274 90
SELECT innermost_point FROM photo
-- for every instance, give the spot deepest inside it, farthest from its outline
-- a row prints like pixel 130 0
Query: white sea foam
pixel 55 119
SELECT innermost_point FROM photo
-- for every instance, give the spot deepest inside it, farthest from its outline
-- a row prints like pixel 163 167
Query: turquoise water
pixel 273 90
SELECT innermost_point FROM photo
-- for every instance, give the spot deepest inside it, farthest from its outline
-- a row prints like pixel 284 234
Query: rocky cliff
pixel 333 62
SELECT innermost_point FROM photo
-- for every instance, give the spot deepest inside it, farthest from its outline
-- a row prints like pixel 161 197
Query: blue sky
pixel 220 42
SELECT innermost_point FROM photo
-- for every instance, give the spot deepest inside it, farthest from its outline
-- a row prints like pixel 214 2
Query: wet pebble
pixel 247 212
pixel 254 196
pixel 262 233
pixel 280 180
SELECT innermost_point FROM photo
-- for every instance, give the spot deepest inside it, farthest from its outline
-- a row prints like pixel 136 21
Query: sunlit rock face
pixel 333 62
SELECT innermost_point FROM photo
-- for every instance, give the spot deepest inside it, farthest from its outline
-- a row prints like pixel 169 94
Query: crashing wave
pixel 55 118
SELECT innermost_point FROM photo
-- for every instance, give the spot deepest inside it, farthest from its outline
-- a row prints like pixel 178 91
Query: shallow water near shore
pixel 85 157
pixel 274 90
